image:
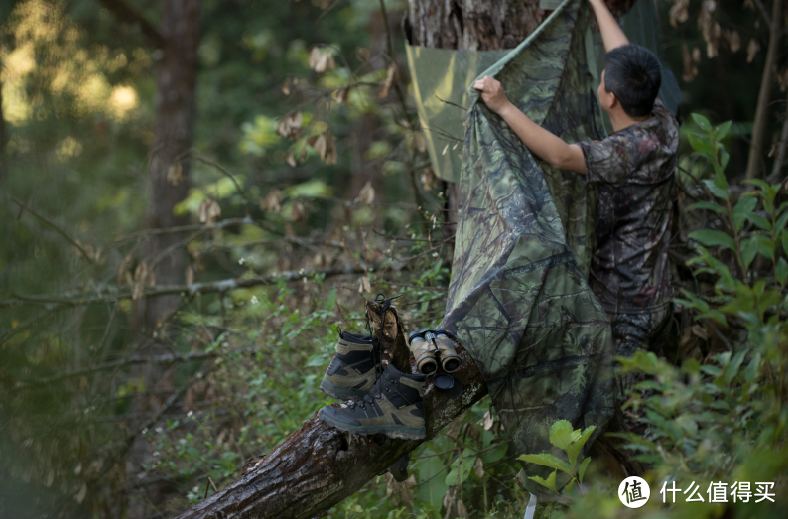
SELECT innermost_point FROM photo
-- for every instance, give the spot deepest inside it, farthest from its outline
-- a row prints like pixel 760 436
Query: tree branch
pixel 127 15
pixel 54 226
pixel 114 293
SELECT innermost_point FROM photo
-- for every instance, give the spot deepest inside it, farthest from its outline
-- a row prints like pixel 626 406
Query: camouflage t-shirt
pixel 633 170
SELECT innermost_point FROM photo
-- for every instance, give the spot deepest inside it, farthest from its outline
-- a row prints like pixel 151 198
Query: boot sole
pixel 340 393
pixel 392 431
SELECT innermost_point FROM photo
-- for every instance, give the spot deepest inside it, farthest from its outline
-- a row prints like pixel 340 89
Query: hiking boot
pixel 394 406
pixel 354 368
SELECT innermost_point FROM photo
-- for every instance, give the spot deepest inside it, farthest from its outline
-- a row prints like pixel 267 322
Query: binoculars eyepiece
pixel 432 346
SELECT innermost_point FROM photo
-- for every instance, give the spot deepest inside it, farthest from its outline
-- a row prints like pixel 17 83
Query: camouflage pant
pixel 646 332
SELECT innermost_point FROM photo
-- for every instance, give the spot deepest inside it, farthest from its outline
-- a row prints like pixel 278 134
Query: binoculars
pixel 432 346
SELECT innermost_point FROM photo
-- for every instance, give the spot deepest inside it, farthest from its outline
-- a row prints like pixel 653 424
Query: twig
pixel 54 226
pixel 115 293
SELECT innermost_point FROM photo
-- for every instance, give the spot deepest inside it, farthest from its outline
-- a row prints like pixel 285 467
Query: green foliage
pixel 570 442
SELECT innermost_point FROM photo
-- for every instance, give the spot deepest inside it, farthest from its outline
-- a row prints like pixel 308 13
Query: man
pixel 633 173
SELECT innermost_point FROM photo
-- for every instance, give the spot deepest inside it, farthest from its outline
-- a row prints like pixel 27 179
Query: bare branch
pixel 54 226
pixel 113 293
pixel 126 14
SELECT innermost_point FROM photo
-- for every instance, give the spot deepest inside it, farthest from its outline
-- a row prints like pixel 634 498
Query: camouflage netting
pixel 519 300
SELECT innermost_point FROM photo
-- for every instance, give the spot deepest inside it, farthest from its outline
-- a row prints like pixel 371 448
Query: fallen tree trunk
pixel 318 466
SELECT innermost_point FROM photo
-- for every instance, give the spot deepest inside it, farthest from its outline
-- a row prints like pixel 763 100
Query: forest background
pixel 196 196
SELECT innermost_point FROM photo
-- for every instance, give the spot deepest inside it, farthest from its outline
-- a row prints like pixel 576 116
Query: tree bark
pixel 760 125
pixel 176 72
pixel 318 465
pixel 782 150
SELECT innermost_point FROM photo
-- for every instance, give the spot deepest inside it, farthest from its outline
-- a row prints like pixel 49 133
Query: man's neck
pixel 620 120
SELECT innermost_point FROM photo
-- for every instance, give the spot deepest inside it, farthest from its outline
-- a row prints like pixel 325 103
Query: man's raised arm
pixel 612 35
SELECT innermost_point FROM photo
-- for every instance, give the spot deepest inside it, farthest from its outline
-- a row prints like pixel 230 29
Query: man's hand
pixel 612 35
pixel 492 94
pixel 541 142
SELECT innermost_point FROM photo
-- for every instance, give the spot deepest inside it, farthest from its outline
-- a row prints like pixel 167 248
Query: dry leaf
pixel 341 95
pixel 362 54
pixel 321 60
pixel 364 286
pixel 735 41
pixel 80 495
pixel 449 499
pixel 388 81
pixel 701 332
pixel 290 125
pixel 417 142
pixel 298 213
pixel 291 161
pixel 679 13
pixel 272 201
pixel 124 270
pixel 478 468
pixel 189 275
pixel 323 144
pixel 175 174
pixel 400 493
pixel 208 211
pixel 690 63
pixel 367 194
pixel 462 512
pixel 487 421
pixel 752 49
pixel 429 179
pixel 287 87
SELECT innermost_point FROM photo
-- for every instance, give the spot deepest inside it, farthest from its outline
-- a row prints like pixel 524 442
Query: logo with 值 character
pixel 634 492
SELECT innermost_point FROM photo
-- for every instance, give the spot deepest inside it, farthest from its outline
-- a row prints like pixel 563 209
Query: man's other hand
pixel 492 93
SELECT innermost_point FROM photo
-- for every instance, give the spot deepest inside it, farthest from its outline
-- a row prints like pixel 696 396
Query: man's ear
pixel 612 101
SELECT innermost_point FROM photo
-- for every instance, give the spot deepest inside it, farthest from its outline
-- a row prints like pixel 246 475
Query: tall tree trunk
pixel 176 73
pixel 760 126
pixel 3 140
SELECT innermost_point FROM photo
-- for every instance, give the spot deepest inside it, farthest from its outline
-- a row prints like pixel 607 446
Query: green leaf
pixel 757 182
pixel 782 271
pixel 711 186
pixel 583 467
pixel 562 435
pixel 722 130
pixel 701 121
pixel 703 145
pixel 725 157
pixel 781 222
pixel 784 238
pixel 760 221
pixel 749 249
pixel 743 209
pixel 721 181
pixel 549 483
pixel 764 245
pixel 732 369
pixel 710 238
pixel 331 299
pixel 708 205
pixel 577 447
pixel 461 468
pixel 547 460
pixel 569 487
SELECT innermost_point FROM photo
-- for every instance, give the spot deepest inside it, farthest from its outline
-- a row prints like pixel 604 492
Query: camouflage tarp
pixel 440 77
pixel 519 300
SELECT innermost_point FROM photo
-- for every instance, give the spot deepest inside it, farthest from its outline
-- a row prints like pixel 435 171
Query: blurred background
pixel 196 196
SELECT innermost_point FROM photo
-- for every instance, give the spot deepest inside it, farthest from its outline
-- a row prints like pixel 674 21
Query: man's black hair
pixel 633 74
